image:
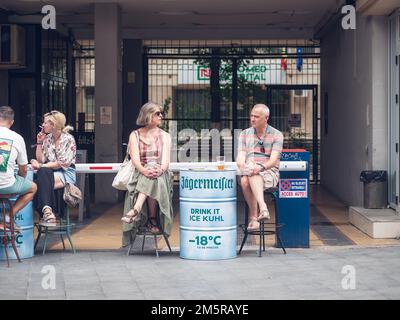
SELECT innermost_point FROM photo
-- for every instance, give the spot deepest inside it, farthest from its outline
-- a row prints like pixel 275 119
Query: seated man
pixel 12 151
pixel 259 150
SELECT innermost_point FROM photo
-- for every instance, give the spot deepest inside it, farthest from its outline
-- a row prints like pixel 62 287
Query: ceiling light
pixel 174 13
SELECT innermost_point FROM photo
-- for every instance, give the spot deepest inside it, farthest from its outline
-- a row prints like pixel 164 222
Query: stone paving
pixel 301 274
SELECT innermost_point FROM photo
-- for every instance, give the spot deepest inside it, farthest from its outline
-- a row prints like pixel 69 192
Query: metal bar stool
pixel 61 227
pixel 8 235
pixel 144 231
pixel 266 228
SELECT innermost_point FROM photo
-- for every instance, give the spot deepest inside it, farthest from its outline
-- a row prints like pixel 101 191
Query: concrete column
pixel 108 93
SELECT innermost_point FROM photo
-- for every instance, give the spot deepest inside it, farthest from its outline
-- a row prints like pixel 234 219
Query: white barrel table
pixel 208 224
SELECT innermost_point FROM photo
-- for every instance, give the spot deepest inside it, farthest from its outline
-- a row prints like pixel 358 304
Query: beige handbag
pixel 72 195
pixel 124 174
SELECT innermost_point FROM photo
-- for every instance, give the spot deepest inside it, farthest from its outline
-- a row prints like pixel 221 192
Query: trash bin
pixel 375 189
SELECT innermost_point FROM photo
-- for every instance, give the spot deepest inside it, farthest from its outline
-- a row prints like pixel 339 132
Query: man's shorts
pixel 21 186
pixel 271 178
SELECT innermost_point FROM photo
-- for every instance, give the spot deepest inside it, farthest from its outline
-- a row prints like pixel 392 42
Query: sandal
pixel 48 217
pixel 254 225
pixel 152 227
pixel 129 218
pixel 264 215
pixel 4 227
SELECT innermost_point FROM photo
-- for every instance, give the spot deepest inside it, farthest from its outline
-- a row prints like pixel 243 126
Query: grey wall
pixel 354 75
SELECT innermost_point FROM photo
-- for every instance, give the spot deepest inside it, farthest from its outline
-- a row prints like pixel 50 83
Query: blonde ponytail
pixel 67 129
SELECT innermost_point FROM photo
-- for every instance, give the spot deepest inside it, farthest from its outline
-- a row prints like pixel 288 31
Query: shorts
pixel 66 175
pixel 60 175
pixel 271 178
pixel 21 186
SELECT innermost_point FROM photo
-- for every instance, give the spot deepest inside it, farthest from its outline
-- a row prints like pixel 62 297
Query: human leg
pixel 23 187
pixel 133 214
pixel 45 194
pixel 251 202
pixel 152 208
pixel 257 186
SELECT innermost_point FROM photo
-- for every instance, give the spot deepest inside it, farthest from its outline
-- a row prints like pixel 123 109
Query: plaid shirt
pixel 249 143
pixel 148 151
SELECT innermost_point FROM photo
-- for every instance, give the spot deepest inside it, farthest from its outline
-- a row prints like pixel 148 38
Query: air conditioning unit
pixel 12 46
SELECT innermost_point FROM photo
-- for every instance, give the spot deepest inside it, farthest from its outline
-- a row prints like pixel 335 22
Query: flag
pixel 283 59
pixel 299 63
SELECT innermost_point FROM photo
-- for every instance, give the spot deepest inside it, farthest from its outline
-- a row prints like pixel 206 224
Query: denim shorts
pixel 21 186
pixel 66 175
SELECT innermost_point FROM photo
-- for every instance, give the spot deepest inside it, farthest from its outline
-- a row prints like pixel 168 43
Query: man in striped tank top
pixel 259 150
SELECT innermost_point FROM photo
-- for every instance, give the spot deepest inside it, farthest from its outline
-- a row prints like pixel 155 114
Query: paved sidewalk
pixel 301 274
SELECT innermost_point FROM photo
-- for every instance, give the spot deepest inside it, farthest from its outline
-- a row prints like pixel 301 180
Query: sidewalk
pixel 301 274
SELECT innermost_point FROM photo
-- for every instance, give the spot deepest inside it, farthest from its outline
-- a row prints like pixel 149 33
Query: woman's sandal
pixel 49 217
pixel 129 218
pixel 152 227
pixel 253 225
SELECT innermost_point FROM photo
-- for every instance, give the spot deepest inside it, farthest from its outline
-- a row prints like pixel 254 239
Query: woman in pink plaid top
pixel 151 183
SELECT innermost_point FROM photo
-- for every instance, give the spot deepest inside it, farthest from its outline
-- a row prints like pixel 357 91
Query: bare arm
pixel 272 161
pixel 133 146
pixel 166 153
pixel 22 170
pixel 39 153
pixel 241 159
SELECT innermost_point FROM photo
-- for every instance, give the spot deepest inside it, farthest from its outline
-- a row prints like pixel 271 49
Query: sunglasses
pixel 261 143
pixel 51 113
pixel 159 114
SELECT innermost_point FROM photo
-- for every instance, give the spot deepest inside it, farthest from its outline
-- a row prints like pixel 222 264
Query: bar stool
pixel 144 231
pixel 61 227
pixel 266 228
pixel 8 235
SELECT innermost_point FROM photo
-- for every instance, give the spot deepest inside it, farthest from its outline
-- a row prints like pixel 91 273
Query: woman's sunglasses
pixel 51 113
pixel 159 114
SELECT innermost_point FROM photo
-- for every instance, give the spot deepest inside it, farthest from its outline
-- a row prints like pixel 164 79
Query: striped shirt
pixel 252 145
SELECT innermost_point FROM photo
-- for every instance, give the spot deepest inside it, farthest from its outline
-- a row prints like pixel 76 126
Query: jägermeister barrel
pixel 208 228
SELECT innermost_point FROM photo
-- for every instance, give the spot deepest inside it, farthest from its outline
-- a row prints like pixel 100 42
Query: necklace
pixel 261 140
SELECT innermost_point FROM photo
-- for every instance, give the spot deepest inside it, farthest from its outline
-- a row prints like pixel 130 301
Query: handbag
pixel 124 174
pixel 72 195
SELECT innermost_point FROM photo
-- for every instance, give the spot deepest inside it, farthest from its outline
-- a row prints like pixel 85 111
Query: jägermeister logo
pixel 213 184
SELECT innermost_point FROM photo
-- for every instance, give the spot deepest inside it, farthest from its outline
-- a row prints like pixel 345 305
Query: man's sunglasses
pixel 261 143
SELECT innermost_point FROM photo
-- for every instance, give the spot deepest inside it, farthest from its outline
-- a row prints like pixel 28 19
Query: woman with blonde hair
pixel 55 162
pixel 151 183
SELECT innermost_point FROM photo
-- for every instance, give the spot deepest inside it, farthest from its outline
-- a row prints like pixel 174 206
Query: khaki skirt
pixel 160 189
